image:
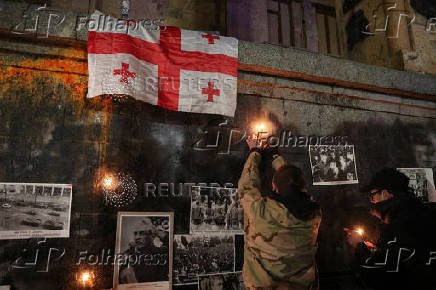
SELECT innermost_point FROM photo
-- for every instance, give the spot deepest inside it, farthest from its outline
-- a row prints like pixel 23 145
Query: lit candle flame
pixel 360 231
pixel 85 277
pixel 260 128
pixel 107 182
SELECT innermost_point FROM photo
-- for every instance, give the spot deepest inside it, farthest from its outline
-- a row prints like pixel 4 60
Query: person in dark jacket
pixel 400 258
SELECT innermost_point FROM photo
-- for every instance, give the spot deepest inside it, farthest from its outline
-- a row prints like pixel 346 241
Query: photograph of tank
pixel 216 209
pixel 202 254
pixel 30 210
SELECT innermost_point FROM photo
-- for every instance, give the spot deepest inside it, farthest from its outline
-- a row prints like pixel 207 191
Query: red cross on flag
pixel 176 69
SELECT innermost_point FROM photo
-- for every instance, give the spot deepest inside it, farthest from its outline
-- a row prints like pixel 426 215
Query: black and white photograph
pixel 216 209
pixel 421 182
pixel 202 254
pixel 226 281
pixel 333 164
pixel 35 210
pixel 143 251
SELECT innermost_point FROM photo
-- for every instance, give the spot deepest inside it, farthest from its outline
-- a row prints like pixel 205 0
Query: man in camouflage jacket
pixel 279 250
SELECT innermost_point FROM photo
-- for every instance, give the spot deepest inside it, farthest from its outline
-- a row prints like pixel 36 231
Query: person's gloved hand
pixel 253 144
pixel 353 237
pixel 269 149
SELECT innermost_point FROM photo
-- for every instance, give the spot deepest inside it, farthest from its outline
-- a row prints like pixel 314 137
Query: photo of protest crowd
pixel 333 164
pixel 202 254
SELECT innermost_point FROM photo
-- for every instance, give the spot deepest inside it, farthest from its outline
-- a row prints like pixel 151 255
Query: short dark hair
pixel 289 178
pixel 290 184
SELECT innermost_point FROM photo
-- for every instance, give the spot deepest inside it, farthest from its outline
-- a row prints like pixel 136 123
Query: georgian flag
pixel 176 69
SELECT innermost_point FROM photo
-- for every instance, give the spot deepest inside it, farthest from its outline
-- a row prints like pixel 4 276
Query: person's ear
pixel 385 194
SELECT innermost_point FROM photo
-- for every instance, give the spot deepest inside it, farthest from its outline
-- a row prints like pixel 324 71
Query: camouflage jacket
pixel 279 249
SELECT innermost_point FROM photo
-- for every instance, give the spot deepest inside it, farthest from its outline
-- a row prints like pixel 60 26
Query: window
pixel 328 34
pixel 292 23
pixel 304 24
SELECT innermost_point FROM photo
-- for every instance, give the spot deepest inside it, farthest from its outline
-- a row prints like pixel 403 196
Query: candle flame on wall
pixel 107 182
pixel 85 277
pixel 260 130
pixel 360 231
pixel 261 127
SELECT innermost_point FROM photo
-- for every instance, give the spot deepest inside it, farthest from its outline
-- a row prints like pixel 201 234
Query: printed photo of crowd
pixel 216 209
pixel 201 254
pixel 333 164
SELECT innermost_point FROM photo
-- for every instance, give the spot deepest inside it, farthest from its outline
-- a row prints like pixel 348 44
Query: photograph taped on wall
pixel 216 209
pixel 201 254
pixel 422 182
pixel 228 281
pixel 143 250
pixel 333 164
pixel 35 210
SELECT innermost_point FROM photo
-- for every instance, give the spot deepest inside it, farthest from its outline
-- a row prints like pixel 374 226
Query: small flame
pixel 260 127
pixel 85 277
pixel 360 231
pixel 108 181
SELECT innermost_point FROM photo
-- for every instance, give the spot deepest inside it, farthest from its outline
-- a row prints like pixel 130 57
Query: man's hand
pixel 252 143
pixel 268 148
pixel 370 246
pixel 353 237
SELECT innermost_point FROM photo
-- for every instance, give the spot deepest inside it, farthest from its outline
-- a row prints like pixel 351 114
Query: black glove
pixel 269 150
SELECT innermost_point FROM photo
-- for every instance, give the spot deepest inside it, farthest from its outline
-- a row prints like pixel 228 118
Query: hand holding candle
pixel 252 143
pixel 354 236
pixel 260 130
pixel 85 279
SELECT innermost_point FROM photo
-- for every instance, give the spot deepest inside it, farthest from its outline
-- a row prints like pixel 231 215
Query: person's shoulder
pixel 277 211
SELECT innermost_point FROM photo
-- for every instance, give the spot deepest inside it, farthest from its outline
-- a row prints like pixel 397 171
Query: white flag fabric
pixel 179 70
